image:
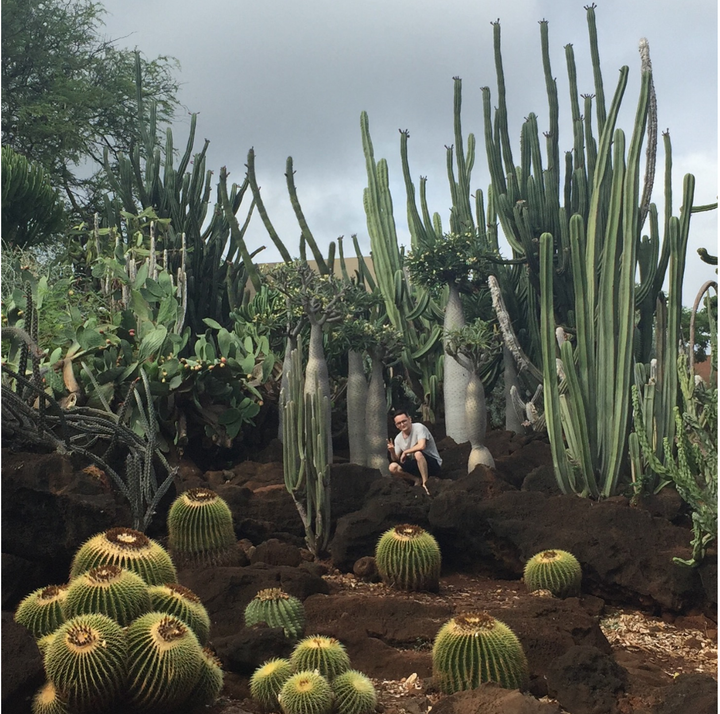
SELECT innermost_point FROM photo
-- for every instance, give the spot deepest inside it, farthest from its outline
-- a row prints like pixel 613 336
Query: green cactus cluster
pixel 324 654
pixel 555 570
pixel 210 683
pixel 277 609
pixel 306 692
pixel 267 681
pixel 175 599
pixel 354 693
pixel 41 611
pixel 473 648
pixel 409 558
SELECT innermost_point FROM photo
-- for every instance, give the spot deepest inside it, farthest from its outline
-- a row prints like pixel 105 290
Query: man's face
pixel 403 423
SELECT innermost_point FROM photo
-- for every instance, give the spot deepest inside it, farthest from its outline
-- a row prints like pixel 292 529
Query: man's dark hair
pixel 400 412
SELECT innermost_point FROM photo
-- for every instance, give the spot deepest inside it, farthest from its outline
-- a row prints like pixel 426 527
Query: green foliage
pixel 277 609
pixel 555 570
pixel 306 692
pixel 267 681
pixel 408 558
pixel 478 346
pixel 324 654
pixel 48 701
pixel 473 648
pixel 41 611
pixel 354 693
pixel 183 603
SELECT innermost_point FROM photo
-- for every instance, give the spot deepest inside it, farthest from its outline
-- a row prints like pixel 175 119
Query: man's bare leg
pixel 423 469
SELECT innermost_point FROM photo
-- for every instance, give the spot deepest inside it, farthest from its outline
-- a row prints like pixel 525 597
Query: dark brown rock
pixel 22 668
pixel 695 692
pixel 491 699
pixel 245 650
pixel 274 552
pixel 366 569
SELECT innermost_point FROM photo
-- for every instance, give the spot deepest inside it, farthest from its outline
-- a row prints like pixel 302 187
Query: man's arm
pixel 418 446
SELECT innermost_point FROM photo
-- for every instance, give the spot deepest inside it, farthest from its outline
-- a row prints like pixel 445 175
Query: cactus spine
pixel 408 558
pixel 474 648
pixel 555 570
pixel 48 701
pixel 41 611
pixel 184 604
pixel 267 681
pixel 325 654
pixel 277 609
pixel 354 693
pixel 306 693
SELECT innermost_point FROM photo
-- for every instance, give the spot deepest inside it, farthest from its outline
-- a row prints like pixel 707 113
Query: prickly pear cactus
pixel 474 648
pixel 306 692
pixel 324 654
pixel 41 611
pixel 48 701
pixel 268 680
pixel 277 609
pixel 408 558
pixel 555 570
pixel 182 602
pixel 354 693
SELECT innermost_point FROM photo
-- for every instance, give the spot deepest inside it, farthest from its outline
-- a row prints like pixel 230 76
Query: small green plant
pixel 408 558
pixel 555 570
pixel 306 692
pixel 354 693
pixel 87 662
pixel 129 549
pixel 324 654
pixel 108 589
pixel 277 609
pixel 474 648
pixel 210 683
pixel 48 701
pixel 44 642
pixel 200 528
pixel 267 681
pixel 184 604
pixel 41 611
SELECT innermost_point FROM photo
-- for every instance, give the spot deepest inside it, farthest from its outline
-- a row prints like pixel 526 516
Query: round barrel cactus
pixel 474 648
pixel 354 693
pixel 110 590
pixel 87 662
pixel 182 602
pixel 41 611
pixel 408 558
pixel 128 548
pixel 44 642
pixel 210 682
pixel 324 654
pixel 277 609
pixel 200 528
pixel 48 701
pixel 267 681
pixel 306 692
pixel 555 570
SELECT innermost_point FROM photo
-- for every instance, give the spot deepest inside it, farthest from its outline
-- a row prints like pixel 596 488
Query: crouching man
pixel 413 454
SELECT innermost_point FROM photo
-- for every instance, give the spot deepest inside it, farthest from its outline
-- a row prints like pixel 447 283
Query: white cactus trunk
pixel 455 377
pixel 316 377
pixel 513 421
pixel 376 430
pixel 357 395
pixel 283 386
pixel 476 417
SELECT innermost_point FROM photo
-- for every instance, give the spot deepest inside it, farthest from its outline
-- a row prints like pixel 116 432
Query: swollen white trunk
pixel 513 421
pixel 316 376
pixel 376 430
pixel 476 416
pixel 455 378
pixel 357 394
pixel 289 346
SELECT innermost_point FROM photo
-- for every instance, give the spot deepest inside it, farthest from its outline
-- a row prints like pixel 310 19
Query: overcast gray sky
pixel 291 78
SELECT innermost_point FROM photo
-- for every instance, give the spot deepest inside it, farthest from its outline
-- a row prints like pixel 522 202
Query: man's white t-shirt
pixel 417 431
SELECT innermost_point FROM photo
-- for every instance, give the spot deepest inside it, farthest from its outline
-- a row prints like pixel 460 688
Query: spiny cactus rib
pixel 277 609
pixel 44 642
pixel 49 701
pixel 184 604
pixel 210 683
pixel 130 549
pixel 200 527
pixel 110 590
pixel 306 692
pixel 555 570
pixel 165 662
pixel 325 654
pixel 87 662
pixel 408 558
pixel 354 693
pixel 267 681
pixel 41 611
pixel 474 648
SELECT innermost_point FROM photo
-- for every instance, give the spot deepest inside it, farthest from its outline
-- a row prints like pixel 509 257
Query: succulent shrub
pixel 110 590
pixel 267 681
pixel 200 527
pixel 473 648
pixel 354 693
pixel 184 604
pixel 48 700
pixel 41 611
pixel 128 548
pixel 408 558
pixel 306 692
pixel 555 570
pixel 210 683
pixel 325 654
pixel 87 662
pixel 165 662
pixel 277 609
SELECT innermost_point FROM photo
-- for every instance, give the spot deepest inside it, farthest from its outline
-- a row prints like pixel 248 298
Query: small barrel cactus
pixel 210 683
pixel 408 558
pixel 354 693
pixel 474 648
pixel 129 549
pixel 110 590
pixel 555 570
pixel 267 681
pixel 44 642
pixel 200 528
pixel 87 662
pixel 182 602
pixel 48 701
pixel 41 611
pixel 165 662
pixel 324 654
pixel 306 692
pixel 277 609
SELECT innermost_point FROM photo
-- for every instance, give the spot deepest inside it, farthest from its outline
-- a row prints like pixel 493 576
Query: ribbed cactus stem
pixel 357 396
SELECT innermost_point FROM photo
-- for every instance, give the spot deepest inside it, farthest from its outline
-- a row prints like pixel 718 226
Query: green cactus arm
pixel 501 114
pixel 419 233
pixel 597 74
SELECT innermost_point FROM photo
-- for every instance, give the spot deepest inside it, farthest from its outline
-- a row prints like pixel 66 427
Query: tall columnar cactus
pixel 473 648
pixel 408 558
pixel 354 693
pixel 324 654
pixel 267 681
pixel 277 609
pixel 306 692
pixel 555 570
pixel 183 603
pixel 41 611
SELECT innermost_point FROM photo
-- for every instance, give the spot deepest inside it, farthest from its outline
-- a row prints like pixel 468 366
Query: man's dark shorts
pixel 410 465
